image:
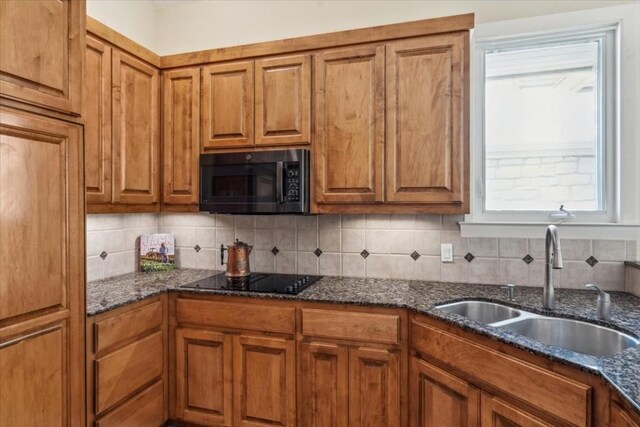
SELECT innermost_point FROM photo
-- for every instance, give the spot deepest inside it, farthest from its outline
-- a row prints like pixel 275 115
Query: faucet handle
pixel 510 287
pixel 602 295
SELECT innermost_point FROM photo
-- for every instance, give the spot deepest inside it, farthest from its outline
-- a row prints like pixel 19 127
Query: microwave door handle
pixel 279 182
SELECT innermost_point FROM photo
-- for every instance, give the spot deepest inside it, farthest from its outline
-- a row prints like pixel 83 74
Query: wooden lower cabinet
pixel 224 379
pixel 204 367
pixel 498 413
pixel 620 417
pixel 441 399
pixel 349 385
pixel 324 384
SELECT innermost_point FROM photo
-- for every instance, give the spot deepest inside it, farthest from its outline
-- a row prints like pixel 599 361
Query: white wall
pixel 168 27
pixel 135 19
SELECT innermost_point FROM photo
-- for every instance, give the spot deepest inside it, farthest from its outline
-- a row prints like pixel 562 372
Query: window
pixel 548 131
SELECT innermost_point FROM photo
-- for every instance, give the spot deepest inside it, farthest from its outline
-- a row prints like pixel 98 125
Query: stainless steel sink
pixel 573 335
pixel 481 311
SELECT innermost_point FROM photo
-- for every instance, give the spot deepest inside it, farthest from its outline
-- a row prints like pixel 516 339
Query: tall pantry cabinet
pixel 42 303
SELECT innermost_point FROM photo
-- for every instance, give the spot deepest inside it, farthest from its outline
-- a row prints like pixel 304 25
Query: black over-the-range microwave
pixel 265 182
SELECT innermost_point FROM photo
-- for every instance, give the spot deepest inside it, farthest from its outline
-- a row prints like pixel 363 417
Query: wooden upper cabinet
pixel 283 100
pixel 349 140
pixel 227 105
pixel 136 158
pixel 264 381
pixel 498 413
pixel 181 136
pixel 374 387
pixel 427 145
pixel 96 111
pixel 204 377
pixel 41 55
pixel 440 399
pixel 324 387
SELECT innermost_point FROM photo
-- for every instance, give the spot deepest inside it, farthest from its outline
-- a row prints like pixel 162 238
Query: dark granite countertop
pixel 622 370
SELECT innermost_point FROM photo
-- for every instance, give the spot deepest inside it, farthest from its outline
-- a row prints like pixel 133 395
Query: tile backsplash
pixel 396 246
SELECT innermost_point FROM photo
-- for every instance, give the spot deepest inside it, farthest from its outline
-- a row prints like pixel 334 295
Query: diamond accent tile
pixel 364 253
pixel 528 259
pixel 415 255
pixel 318 252
pixel 104 254
pixel 591 261
pixel 197 248
pixel 275 250
pixel 469 257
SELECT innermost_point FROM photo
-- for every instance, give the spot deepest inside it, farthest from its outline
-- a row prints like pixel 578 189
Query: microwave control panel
pixel 292 182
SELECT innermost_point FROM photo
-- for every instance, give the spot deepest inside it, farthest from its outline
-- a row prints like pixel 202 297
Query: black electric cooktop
pixel 257 282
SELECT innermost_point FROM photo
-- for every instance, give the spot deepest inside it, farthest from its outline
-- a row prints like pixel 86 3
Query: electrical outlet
pixel 446 252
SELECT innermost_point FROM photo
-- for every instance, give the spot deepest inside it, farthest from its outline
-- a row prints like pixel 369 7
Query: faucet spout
pixel 553 261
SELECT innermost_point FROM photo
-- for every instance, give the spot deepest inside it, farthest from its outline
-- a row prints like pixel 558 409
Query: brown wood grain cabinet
pixel 441 399
pixel 227 105
pixel 97 115
pixel 324 384
pixel 620 417
pixel 127 367
pixel 136 143
pixel 42 303
pixel 181 136
pixel 204 374
pixel 426 119
pixel 498 413
pixel 349 123
pixel 122 119
pixel 283 100
pixel 41 55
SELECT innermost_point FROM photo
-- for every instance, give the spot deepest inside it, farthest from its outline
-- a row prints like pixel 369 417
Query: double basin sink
pixel 568 334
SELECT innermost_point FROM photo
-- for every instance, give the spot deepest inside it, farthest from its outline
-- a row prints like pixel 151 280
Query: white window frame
pixel 608 139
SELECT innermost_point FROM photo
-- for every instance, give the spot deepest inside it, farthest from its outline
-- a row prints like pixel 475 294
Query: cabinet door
pixel 41 55
pixel 264 382
pixel 498 413
pixel 440 399
pixel 427 108
pixel 181 136
pixel 96 112
pixel 203 377
pixel 620 417
pixel 374 387
pixel 135 131
pixel 227 105
pixel 42 305
pixel 283 100
pixel 349 125
pixel 324 385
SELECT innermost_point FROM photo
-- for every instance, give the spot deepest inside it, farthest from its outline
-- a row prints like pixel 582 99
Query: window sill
pixel 568 230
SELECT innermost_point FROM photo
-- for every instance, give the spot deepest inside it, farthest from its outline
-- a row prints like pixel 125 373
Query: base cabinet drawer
pixel 146 409
pixel 125 371
pixel 366 327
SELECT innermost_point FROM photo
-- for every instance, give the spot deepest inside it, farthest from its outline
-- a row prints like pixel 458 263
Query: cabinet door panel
pixel 264 381
pixel 283 100
pixel 440 399
pixel 37 175
pixel 181 136
pixel 97 121
pixel 349 125
pixel 374 389
pixel 427 143
pixel 203 376
pixel 34 383
pixel 498 413
pixel 325 385
pixel 620 417
pixel 227 105
pixel 41 56
pixel 135 131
